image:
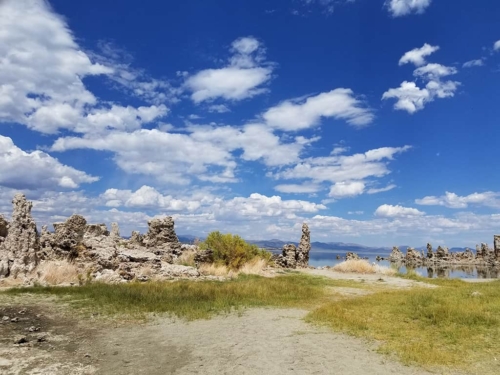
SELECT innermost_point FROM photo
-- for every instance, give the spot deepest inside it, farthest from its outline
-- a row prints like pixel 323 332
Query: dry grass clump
pixel 186 258
pixel 362 266
pixel 255 266
pixel 212 269
pixel 60 272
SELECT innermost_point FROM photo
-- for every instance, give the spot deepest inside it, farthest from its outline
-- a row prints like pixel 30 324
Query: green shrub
pixel 231 250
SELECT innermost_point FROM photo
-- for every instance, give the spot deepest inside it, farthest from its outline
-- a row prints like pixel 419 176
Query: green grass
pixel 445 326
pixel 193 300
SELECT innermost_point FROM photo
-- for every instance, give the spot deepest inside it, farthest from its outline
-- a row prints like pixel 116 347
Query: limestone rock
pixel 352 256
pixel 442 252
pixel 19 250
pixel 160 232
pixel 3 227
pixel 140 256
pixel 204 256
pixel 115 231
pixel 290 255
pixel 174 270
pixel 396 255
pixel 162 240
pixel 430 253
pixel 413 256
pixel 496 246
pixel 136 239
pixel 68 236
pixel 95 230
pixel 304 247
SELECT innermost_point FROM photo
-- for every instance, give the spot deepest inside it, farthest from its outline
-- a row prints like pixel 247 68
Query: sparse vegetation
pixel 193 300
pixel 362 266
pixel 58 272
pixel 448 326
pixel 232 251
pixel 187 258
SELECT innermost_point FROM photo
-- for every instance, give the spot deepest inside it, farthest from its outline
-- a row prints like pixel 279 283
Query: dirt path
pixel 257 341
pixel 260 341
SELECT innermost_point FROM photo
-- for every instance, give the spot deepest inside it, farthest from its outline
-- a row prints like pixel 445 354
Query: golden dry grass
pixel 58 272
pixel 212 269
pixel 186 258
pixel 456 325
pixel 255 266
pixel 362 266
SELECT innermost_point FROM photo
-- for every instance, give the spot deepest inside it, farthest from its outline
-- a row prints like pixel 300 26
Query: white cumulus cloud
pixel 387 210
pixel 452 200
pixel 496 46
pixel 417 56
pixel 41 76
pixel 473 63
pixel 294 115
pixel 36 170
pixel 243 77
pixel 399 8
pixel 347 189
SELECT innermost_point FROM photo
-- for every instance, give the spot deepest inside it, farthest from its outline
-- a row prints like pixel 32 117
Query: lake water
pixel 320 258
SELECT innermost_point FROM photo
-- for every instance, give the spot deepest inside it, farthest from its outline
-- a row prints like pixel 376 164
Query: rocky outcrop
pixel 496 246
pixel 304 247
pixel 19 250
pixel 413 256
pixel 4 224
pixel 161 232
pixel 352 256
pixel 442 252
pixel 204 256
pixel 430 253
pixel 136 239
pixel 115 231
pixel 484 257
pixel 396 255
pixel 293 256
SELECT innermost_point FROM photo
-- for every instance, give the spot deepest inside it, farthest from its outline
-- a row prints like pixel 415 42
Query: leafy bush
pixel 231 250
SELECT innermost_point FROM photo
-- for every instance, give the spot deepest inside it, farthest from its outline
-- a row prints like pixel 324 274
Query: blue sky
pixel 375 122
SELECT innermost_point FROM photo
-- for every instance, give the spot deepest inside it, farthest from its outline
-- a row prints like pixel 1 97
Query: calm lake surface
pixel 320 258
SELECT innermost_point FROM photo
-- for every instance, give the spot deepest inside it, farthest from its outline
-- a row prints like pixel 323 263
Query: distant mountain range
pixel 275 245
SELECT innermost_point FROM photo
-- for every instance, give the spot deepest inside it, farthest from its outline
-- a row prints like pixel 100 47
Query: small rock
pixel 22 312
pixel 20 340
pixel 14 320
pixel 475 294
pixel 41 338
pixel 87 355
pixel 33 329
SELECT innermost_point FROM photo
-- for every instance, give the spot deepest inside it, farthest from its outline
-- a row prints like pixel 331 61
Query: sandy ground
pixel 373 279
pixel 256 341
pixel 260 341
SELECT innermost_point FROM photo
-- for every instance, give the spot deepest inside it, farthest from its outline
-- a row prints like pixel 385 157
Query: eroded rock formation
pixel 396 255
pixel 293 256
pixel 90 247
pixel 4 224
pixel 484 257
pixel 496 246
pixel 19 250
pixel 304 247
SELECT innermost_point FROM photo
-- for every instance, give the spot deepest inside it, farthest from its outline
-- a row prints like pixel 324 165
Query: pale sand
pixel 260 341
